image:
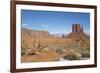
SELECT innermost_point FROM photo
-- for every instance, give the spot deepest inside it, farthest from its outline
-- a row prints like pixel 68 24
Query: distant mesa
pixel 34 33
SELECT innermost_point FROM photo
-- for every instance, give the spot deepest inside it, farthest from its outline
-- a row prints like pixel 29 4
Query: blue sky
pixel 54 22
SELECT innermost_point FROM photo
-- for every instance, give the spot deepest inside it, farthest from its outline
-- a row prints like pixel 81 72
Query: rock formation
pixel 34 33
pixel 78 32
pixel 77 28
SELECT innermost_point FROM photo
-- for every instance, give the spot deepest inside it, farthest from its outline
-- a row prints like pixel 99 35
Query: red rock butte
pixel 77 28
pixel 77 32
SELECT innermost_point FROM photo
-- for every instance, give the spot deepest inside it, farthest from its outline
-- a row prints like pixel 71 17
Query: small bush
pixel 85 54
pixel 72 56
pixel 59 51
pixel 22 53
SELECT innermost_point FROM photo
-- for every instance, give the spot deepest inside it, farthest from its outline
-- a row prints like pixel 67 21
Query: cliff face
pixel 34 33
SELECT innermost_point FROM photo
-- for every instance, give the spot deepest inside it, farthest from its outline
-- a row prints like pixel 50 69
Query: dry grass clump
pixel 72 56
pixel 86 54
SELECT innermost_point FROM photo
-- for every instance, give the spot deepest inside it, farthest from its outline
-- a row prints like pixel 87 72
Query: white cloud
pixel 44 25
pixel 24 25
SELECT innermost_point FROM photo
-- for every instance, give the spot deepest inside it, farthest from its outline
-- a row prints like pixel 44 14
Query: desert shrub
pixel 24 47
pixel 22 53
pixel 85 54
pixel 32 53
pixel 72 56
pixel 37 44
pixel 59 51
pixel 88 49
